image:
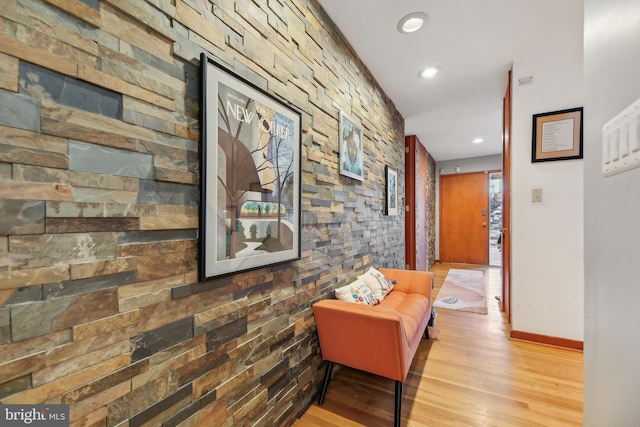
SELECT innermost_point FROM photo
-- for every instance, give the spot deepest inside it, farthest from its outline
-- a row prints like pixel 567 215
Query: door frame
pixel 506 201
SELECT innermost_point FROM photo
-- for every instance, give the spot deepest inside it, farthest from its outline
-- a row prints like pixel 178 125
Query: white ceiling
pixel 473 41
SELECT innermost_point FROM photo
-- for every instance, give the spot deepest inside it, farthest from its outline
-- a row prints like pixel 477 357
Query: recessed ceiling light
pixel 427 73
pixel 412 22
pixel 478 140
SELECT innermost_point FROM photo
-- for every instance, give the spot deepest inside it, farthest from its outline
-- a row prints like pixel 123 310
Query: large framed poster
pixel 250 176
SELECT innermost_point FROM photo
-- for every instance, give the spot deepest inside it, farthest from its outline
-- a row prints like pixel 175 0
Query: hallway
pixel 470 375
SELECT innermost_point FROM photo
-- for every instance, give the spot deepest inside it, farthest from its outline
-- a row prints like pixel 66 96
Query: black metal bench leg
pixel 431 322
pixel 325 383
pixel 398 409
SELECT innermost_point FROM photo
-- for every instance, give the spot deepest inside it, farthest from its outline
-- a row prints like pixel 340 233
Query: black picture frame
pixel 351 141
pixel 557 135
pixel 250 157
pixel 391 190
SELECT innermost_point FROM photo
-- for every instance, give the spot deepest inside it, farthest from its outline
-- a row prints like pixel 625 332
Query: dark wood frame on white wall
pixel 557 135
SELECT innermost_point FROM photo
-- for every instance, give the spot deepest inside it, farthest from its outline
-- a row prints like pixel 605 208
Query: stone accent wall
pixel 430 203
pixel 431 210
pixel 100 307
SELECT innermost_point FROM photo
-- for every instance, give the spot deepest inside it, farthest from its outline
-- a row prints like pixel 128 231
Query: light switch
pixel 621 141
pixel 624 138
pixel 536 195
pixel 634 132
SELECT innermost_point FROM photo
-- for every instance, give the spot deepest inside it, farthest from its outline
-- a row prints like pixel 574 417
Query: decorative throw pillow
pixel 377 282
pixel 358 292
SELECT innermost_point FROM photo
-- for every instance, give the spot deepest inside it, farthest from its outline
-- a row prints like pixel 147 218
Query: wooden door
pixel 506 202
pixel 410 202
pixel 415 220
pixel 464 218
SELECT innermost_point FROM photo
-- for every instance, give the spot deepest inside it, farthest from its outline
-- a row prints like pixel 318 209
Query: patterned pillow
pixel 358 292
pixel 377 282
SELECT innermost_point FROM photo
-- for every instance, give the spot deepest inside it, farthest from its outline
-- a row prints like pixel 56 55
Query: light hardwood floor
pixel 471 375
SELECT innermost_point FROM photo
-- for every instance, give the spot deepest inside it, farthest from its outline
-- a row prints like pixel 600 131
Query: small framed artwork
pixel 250 176
pixel 391 176
pixel 351 155
pixel 557 135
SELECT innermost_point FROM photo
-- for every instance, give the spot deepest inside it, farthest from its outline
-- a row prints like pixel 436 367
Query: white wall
pixel 547 238
pixel 471 164
pixel 612 221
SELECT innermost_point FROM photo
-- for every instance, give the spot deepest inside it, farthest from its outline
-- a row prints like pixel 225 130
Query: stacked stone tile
pixel 100 306
pixel 431 210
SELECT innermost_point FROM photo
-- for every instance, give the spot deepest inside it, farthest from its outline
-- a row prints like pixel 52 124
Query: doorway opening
pixel 495 219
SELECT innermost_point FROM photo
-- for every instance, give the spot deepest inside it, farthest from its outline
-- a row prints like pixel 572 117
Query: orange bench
pixel 380 339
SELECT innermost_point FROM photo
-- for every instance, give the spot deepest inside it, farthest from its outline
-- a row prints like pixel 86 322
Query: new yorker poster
pixel 250 186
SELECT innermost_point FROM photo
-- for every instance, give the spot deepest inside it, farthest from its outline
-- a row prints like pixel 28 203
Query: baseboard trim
pixel 547 340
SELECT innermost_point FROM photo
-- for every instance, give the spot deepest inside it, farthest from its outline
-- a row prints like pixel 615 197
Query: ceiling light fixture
pixel 428 73
pixel 478 141
pixel 412 22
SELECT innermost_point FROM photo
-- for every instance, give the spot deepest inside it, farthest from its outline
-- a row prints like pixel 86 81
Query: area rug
pixel 463 290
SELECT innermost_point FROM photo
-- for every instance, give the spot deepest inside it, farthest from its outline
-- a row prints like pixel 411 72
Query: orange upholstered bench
pixel 380 339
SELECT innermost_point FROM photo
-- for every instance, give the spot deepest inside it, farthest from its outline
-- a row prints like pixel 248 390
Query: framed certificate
pixel 557 135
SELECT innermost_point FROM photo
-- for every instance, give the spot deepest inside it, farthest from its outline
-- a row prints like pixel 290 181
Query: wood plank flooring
pixel 471 375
